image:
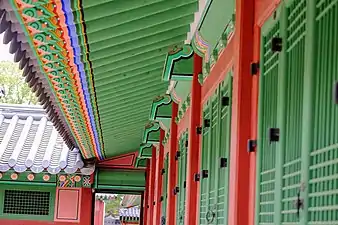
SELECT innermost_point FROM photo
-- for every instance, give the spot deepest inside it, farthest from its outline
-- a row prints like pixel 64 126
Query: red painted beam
pixel 183 125
pixel 241 118
pixel 263 9
pixel 218 71
pixel 171 207
pixel 125 161
pixel 194 143
pixel 152 187
pixel 159 179
pixel 146 194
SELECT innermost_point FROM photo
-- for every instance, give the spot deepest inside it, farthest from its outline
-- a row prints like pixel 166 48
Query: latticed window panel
pixel 295 46
pixel 323 171
pixel 215 149
pixel 268 119
pixel 26 202
pixel 182 169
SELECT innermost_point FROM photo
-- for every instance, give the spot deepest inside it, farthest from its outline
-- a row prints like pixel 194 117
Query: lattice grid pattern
pixel 323 183
pixel 296 18
pixel 269 113
pixel 26 202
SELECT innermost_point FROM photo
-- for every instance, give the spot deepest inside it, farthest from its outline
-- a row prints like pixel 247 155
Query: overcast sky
pixel 4 52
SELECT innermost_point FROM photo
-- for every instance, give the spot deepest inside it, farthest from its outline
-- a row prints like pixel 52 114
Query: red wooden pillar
pixel 99 212
pixel 254 127
pixel 152 187
pixel 241 118
pixel 146 195
pixel 171 205
pixel 159 179
pixel 194 141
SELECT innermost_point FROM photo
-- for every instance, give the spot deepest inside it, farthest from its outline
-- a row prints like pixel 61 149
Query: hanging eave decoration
pixel 141 163
pixel 44 38
pixel 151 134
pixel 179 64
pixel 161 111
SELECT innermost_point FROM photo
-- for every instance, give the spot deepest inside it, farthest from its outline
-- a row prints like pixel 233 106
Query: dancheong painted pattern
pixel 52 31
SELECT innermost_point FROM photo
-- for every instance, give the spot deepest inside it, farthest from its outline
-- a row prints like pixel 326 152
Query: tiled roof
pixel 28 140
pixel 129 213
pixel 131 200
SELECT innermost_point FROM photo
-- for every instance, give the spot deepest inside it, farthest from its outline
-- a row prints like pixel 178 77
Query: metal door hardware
pixel 162 220
pixel 225 101
pixel 276 45
pixel 176 190
pixel 224 162
pixel 210 216
pixel 197 177
pixel 299 203
pixel 252 144
pixel 274 135
pixel 205 174
pixel 335 92
pixel 178 154
pixel 254 67
pixel 206 123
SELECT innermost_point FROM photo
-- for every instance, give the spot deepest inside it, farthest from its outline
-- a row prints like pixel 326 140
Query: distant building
pixel 130 215
pixel 110 220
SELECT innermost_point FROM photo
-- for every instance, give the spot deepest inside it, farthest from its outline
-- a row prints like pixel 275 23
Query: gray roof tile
pixel 29 141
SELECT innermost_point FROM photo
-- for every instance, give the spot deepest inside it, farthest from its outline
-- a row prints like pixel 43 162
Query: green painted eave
pixel 145 150
pixel 179 64
pixel 151 133
pixel 116 178
pixel 161 110
pixel 128 42
pixel 141 163
pixel 161 107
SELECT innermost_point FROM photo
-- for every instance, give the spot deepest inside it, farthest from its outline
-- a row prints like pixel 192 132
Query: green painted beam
pixel 157 89
pixel 126 56
pixel 162 45
pixel 147 77
pixel 127 116
pixel 109 8
pixel 121 188
pixel 136 87
pixel 135 44
pixel 150 69
pixel 143 12
pixel 131 107
pixel 110 73
pixel 150 57
pixel 143 33
pixel 143 22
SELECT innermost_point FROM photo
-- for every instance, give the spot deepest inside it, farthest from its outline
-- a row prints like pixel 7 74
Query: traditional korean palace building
pixel 212 111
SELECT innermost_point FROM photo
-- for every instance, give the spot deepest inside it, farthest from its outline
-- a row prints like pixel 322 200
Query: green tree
pixel 16 90
pixel 112 206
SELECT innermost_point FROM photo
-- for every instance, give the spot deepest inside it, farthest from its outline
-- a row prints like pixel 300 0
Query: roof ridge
pixel 22 111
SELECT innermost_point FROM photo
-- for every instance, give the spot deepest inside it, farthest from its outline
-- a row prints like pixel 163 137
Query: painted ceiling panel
pixel 100 62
